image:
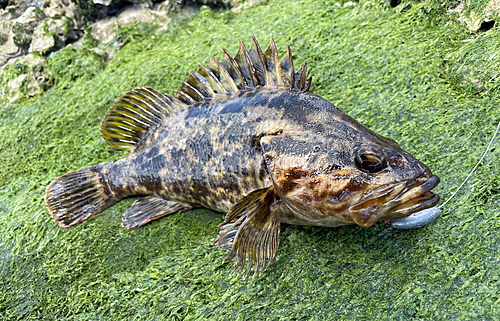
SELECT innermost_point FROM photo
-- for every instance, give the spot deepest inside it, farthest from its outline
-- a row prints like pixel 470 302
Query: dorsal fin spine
pixel 287 68
pixel 175 104
pixel 233 67
pixel 202 83
pixel 213 66
pixel 251 68
pixel 185 97
pixel 227 77
pixel 300 79
pixel 269 65
pixel 210 77
pixel 192 91
pixel 242 58
pixel 226 82
pixel 258 61
pixel 277 66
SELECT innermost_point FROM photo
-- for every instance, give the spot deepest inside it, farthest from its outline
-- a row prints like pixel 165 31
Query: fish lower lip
pixel 421 202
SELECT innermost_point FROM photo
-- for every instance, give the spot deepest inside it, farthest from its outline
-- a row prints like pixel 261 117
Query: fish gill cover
pixel 393 69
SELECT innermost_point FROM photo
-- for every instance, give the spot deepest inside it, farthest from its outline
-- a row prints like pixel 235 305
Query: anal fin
pixel 251 231
pixel 151 208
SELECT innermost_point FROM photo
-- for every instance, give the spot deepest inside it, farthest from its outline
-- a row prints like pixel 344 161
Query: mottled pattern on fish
pixel 245 136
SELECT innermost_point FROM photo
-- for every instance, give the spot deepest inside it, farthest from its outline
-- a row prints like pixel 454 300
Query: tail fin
pixel 76 196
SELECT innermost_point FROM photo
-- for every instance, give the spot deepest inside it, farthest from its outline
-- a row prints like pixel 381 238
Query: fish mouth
pixel 395 201
pixel 416 197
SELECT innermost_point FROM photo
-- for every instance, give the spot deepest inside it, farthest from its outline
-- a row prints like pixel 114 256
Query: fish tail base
pixel 78 195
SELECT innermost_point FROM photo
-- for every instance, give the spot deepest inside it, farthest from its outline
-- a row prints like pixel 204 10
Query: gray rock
pixel 145 15
pixel 103 2
pixel 10 13
pixel 104 31
pixel 51 34
pixel 57 8
pixel 5 28
pixel 36 3
pixel 7 45
pixel 24 26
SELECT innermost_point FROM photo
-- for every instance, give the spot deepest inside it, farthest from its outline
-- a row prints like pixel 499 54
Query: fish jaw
pixel 395 201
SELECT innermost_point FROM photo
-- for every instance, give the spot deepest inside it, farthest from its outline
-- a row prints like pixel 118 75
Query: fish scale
pixel 246 137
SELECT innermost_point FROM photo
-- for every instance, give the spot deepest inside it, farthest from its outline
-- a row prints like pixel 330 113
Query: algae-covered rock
pixel 70 64
pixel 51 34
pixel 22 78
pixel 25 25
pixel 475 13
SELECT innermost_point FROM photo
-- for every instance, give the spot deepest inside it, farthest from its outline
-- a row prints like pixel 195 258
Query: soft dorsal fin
pixel 134 114
pixel 247 70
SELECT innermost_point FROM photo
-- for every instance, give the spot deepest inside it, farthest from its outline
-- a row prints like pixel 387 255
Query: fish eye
pixel 370 159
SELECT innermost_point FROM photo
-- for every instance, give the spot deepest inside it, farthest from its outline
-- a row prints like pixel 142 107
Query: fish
pixel 246 137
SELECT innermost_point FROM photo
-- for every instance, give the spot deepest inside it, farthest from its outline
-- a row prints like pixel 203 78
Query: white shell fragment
pixel 417 219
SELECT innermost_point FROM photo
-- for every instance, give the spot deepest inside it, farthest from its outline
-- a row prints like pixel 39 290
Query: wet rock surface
pixel 30 30
pixel 33 30
pixel 476 17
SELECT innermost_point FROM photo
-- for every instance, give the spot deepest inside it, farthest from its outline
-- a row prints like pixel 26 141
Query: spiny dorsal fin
pixel 134 114
pixel 248 69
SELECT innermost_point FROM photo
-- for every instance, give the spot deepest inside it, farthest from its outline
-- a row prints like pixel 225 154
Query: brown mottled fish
pixel 245 136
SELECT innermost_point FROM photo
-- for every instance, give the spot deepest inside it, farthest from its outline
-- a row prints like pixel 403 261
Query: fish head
pixel 346 174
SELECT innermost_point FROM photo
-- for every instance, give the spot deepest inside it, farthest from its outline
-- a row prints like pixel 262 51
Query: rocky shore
pixel 32 30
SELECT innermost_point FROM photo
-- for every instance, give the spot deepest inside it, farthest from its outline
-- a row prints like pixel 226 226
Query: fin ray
pixel 134 114
pixel 78 195
pixel 150 208
pixel 250 231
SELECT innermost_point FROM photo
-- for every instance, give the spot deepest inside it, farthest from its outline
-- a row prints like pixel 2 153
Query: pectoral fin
pixel 251 231
pixel 150 208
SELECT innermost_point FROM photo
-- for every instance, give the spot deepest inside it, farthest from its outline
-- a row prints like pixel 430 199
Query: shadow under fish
pixel 245 136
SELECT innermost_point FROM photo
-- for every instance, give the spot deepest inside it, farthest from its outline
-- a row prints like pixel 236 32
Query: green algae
pixel 70 65
pixel 475 66
pixel 392 69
